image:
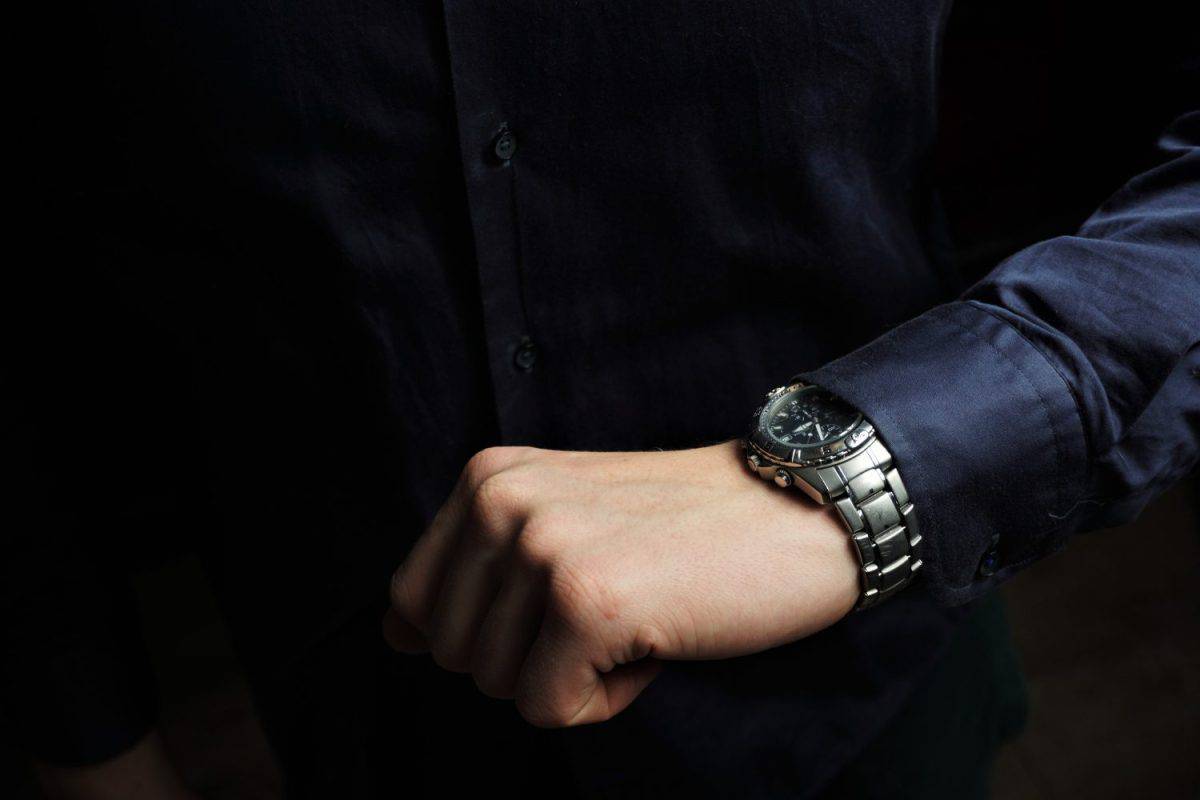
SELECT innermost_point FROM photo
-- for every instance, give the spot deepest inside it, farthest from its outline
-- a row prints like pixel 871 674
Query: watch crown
pixel 753 461
pixel 783 478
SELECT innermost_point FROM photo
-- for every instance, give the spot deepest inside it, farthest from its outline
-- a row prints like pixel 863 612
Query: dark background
pixel 1109 631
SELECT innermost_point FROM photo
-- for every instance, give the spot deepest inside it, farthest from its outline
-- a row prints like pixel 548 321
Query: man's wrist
pixel 805 437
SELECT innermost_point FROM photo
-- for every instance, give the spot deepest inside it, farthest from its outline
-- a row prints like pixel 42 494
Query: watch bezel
pixel 780 454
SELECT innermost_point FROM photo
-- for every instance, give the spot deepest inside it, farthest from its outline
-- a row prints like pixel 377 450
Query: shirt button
pixel 505 144
pixel 526 355
pixel 991 559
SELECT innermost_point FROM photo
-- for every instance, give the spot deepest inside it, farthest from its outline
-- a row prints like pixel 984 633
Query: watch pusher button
pixel 783 478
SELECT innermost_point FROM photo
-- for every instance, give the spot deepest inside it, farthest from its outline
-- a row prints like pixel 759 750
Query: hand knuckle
pixel 539 542
pixel 493 507
pixel 484 463
pixel 490 461
pixel 503 491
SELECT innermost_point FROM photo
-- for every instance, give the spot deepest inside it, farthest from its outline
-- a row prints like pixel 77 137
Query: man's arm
pixel 1059 394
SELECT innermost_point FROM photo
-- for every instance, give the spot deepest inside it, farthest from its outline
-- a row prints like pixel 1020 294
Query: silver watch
pixel 804 436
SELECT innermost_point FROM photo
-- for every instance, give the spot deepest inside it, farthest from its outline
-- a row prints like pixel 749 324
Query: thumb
pixel 559 686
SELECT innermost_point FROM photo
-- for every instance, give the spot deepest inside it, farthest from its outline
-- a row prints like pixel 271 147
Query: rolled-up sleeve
pixel 1059 394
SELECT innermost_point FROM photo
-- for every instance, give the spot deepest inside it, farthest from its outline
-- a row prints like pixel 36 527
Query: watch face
pixel 809 416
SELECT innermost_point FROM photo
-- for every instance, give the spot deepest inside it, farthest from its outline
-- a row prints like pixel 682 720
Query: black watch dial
pixel 810 416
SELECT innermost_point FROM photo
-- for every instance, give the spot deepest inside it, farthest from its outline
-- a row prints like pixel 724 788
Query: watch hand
pixel 820 432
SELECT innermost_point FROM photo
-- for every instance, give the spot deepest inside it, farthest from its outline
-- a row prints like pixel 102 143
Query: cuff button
pixel 988 564
pixel 991 559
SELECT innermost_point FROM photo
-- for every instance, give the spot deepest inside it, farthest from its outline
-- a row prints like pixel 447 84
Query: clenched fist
pixel 564 579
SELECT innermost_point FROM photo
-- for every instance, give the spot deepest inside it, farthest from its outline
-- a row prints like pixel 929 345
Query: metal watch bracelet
pixel 869 496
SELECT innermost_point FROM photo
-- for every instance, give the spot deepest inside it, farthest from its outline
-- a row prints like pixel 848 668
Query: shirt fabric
pixel 371 238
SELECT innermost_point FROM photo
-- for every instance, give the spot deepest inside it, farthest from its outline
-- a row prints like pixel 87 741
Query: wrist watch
pixel 806 437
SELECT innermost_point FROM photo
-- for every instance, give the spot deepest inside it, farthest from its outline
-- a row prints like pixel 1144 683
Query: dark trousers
pixel 352 720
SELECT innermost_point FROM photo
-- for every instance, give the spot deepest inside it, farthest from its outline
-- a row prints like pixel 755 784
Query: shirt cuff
pixel 985 432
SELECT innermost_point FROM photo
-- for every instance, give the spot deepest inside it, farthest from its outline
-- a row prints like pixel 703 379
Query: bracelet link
pixel 882 522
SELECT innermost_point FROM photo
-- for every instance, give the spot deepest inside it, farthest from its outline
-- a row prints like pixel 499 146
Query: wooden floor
pixel 1109 633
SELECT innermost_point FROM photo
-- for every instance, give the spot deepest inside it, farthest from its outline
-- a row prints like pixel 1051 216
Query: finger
pixel 401 636
pixel 508 630
pixel 472 580
pixel 416 581
pixel 560 685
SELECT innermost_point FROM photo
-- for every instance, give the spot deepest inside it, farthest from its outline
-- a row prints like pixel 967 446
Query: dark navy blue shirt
pixel 381 236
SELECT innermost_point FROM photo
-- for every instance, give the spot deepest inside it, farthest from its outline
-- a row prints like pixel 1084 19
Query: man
pixel 571 247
